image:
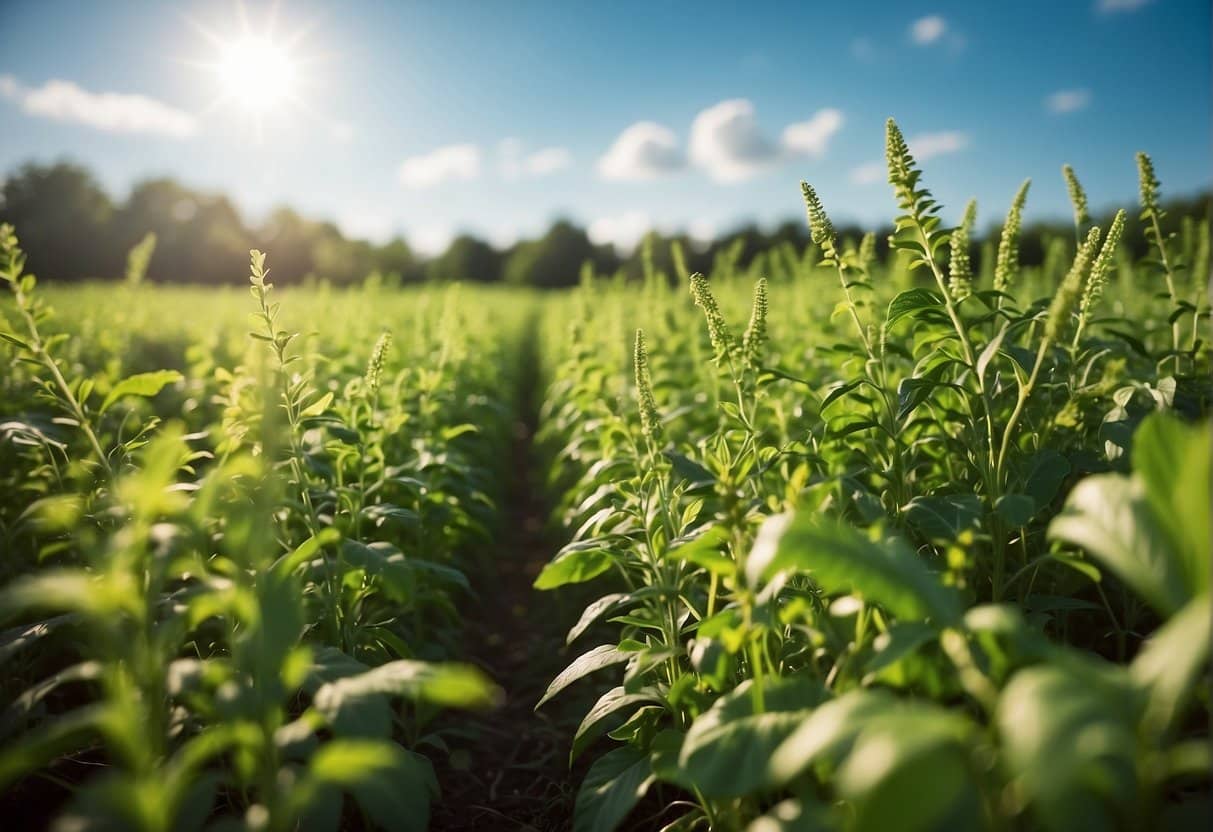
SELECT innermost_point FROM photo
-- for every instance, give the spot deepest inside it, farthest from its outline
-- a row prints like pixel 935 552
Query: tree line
pixel 73 230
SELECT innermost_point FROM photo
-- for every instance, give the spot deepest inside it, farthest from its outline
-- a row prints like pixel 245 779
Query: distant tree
pixel 554 259
pixel 63 219
pixel 396 258
pixel 467 259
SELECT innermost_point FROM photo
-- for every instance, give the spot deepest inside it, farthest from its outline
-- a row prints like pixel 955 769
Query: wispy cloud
pixel 430 240
pixel 456 162
pixel 112 112
pixel 1114 6
pixel 516 163
pixel 1068 101
pixel 812 137
pixel 728 144
pixel 645 150
pixel 923 146
pixel 926 146
pixel 623 231
pixel 928 30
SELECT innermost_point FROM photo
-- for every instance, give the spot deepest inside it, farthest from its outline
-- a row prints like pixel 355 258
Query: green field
pixel 828 540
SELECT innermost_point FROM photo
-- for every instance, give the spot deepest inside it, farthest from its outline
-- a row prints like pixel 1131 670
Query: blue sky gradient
pixel 382 83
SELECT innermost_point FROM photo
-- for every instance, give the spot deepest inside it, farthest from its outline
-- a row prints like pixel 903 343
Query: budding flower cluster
pixel 1102 265
pixel 650 420
pixel 374 367
pixel 897 155
pixel 960 270
pixel 1078 197
pixel 1148 183
pixel 755 337
pixel 820 227
pixel 1007 266
pixel 1067 294
pixel 718 330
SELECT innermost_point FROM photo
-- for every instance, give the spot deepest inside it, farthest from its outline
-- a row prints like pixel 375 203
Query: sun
pixel 256 73
pixel 257 69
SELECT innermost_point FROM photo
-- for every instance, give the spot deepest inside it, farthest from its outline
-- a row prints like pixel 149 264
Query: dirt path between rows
pixel 509 767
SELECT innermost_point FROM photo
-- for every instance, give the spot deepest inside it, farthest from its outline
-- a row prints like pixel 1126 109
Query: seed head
pixel 1067 293
pixel 1078 197
pixel 897 155
pixel 650 419
pixel 820 227
pixel 718 331
pixel 755 337
pixel 1102 265
pixel 374 366
pixel 1007 267
pixel 960 270
pixel 1148 183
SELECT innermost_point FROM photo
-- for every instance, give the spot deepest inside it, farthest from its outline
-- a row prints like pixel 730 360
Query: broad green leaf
pixel 602 656
pixel 305 551
pixel 317 407
pixel 944 516
pixel 727 747
pixel 1070 745
pixel 357 705
pixel 911 302
pixel 611 789
pixel 793 815
pixel 1172 661
pixel 909 770
pixel 842 560
pixel 1172 458
pixel 704 551
pixel 614 700
pixel 573 567
pixel 827 733
pixel 391 784
pixel 1016 510
pixel 593 612
pixel 143 384
pixel 1109 516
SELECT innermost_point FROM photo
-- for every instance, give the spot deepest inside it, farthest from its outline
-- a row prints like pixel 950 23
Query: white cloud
pixel 342 132
pixel 623 231
pixel 644 150
pixel 430 240
pixel 929 145
pixel 703 231
pixel 514 163
pixel 113 112
pixel 727 143
pixel 869 173
pixel 1114 6
pixel 359 225
pixel 548 160
pixel 451 163
pixel 1068 101
pixel 928 30
pixel 812 137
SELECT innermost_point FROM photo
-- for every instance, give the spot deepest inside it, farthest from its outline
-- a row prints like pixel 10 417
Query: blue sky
pixel 497 117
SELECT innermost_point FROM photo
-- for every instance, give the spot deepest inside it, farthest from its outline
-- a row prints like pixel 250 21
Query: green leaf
pixel 602 656
pixel 305 551
pixel 910 302
pixel 704 551
pixel 1049 470
pixel 143 384
pixel 827 733
pixel 990 350
pixel 611 789
pixel 1071 745
pixel 391 784
pixel 842 561
pixel 593 612
pixel 944 516
pixel 1171 663
pixel 1172 459
pixel 1016 510
pixel 912 392
pixel 317 407
pixel 727 747
pixel 358 705
pixel 574 566
pixel 909 770
pixel 614 700
pixel 1108 515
